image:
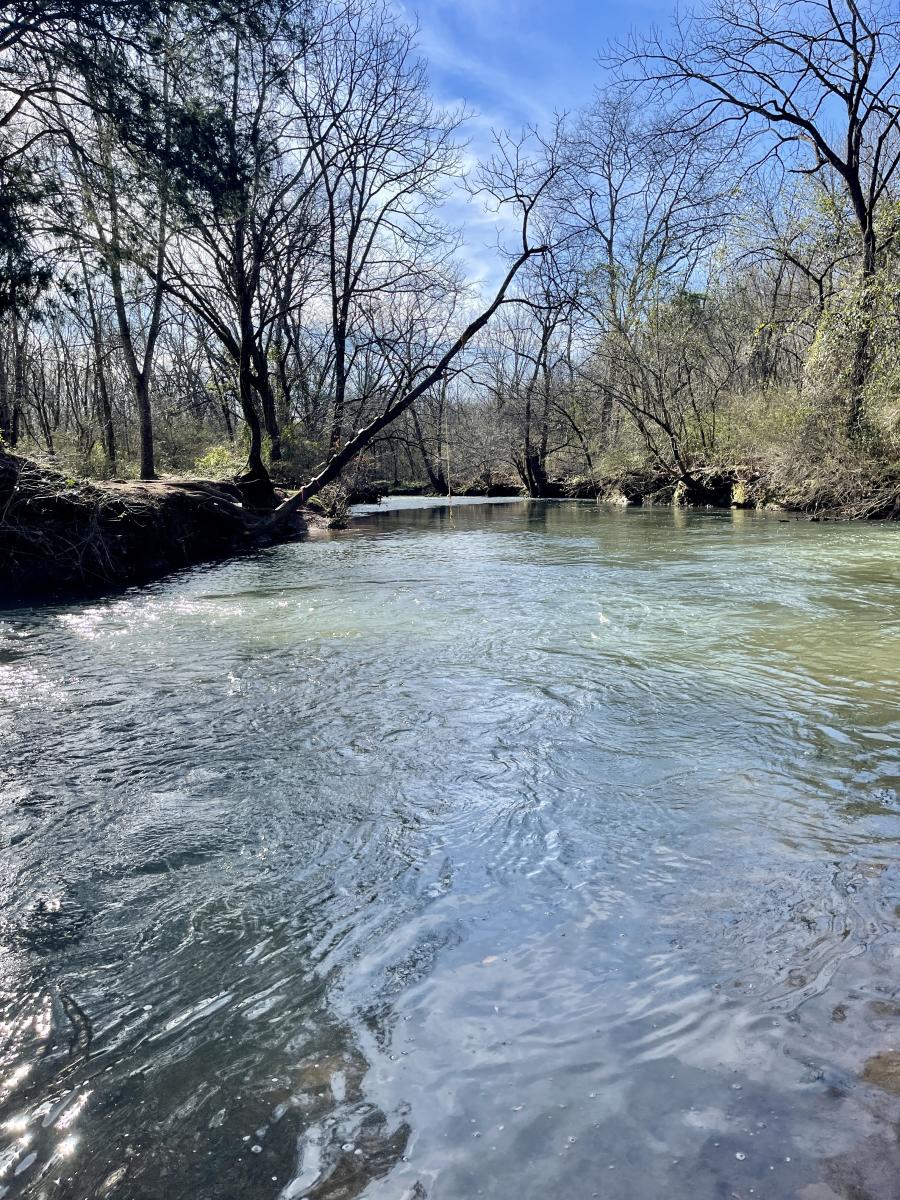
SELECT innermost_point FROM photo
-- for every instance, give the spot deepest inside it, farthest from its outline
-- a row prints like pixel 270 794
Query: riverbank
pixel 840 492
pixel 60 535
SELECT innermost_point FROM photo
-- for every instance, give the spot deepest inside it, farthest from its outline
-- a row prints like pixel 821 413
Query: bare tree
pixel 518 177
pixel 384 153
pixel 816 82
pixel 647 205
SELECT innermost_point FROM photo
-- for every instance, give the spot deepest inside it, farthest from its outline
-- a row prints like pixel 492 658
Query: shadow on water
pixel 514 848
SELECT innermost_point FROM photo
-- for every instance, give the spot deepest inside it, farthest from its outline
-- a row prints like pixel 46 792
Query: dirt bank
pixel 60 535
pixel 842 495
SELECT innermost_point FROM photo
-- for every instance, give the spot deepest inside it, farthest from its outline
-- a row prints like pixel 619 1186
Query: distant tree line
pixel 224 247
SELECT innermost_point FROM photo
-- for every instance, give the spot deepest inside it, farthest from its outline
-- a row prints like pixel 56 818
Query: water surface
pixel 518 850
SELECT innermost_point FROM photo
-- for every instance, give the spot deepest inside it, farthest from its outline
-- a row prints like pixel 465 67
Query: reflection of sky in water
pixel 513 848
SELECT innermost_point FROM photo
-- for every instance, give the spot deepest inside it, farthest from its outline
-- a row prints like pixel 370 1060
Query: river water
pixel 513 850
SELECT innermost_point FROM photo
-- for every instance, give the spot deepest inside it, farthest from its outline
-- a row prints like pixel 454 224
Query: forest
pixel 228 253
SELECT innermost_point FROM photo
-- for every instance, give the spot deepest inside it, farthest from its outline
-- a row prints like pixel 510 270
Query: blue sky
pixel 515 63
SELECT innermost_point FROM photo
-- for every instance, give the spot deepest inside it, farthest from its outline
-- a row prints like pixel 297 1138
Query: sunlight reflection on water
pixel 534 848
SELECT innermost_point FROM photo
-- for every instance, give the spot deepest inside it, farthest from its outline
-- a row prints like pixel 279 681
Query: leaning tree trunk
pixel 362 437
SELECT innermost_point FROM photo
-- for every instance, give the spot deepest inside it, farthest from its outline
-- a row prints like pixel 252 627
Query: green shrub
pixel 220 462
pixel 299 455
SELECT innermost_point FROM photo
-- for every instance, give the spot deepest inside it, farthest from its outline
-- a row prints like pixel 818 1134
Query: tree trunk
pixel 145 421
pixel 104 404
pixel 267 401
pixel 226 417
pixel 340 390
pixel 106 420
pixel 435 475
pixel 862 351
pixel 5 407
pixel 14 409
pixel 362 437
pixel 255 485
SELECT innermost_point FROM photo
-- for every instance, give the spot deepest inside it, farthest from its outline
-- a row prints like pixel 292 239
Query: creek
pixel 511 849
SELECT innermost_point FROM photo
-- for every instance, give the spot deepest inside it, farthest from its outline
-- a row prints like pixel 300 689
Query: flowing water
pixel 523 850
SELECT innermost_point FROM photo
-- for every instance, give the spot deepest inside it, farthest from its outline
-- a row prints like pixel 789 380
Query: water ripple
pixel 527 848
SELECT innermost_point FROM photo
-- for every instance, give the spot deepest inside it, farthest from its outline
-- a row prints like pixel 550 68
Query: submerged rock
pixel 883 1070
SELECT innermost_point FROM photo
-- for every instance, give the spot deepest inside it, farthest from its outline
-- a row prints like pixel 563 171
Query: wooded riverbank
pixel 60 535
pixel 694 298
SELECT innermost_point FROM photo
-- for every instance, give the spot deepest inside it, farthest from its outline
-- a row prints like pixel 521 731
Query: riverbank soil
pixel 59 534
